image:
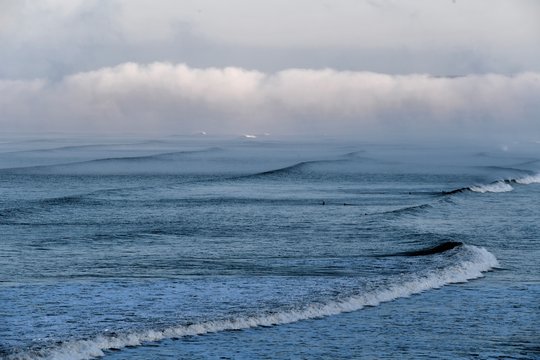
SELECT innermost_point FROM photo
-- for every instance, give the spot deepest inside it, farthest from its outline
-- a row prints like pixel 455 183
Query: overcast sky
pixel 303 66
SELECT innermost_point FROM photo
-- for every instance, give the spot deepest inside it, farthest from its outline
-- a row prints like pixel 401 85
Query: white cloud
pixel 56 37
pixel 167 97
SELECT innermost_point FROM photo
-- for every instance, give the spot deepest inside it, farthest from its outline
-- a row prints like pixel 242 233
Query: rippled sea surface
pixel 245 248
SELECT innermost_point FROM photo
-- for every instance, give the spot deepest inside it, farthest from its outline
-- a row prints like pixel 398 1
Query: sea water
pixel 187 247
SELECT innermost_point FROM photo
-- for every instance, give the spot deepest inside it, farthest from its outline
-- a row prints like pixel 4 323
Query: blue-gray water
pixel 243 248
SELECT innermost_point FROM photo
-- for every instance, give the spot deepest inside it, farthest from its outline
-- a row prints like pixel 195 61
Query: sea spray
pixel 497 187
pixel 527 180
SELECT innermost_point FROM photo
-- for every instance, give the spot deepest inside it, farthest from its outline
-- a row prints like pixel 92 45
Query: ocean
pixel 200 247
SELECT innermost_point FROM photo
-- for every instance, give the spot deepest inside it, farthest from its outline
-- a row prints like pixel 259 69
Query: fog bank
pixel 165 97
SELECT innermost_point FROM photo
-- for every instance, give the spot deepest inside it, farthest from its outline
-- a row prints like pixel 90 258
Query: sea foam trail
pixel 496 187
pixel 473 261
pixel 531 179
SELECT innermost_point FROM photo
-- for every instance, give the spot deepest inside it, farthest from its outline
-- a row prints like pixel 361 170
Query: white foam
pixel 474 261
pixel 531 179
pixel 497 187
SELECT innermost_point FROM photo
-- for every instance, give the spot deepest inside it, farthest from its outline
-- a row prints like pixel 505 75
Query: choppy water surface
pixel 139 249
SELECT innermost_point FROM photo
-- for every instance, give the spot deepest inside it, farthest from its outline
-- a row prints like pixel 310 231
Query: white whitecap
pixel 497 187
pixel 475 261
pixel 531 179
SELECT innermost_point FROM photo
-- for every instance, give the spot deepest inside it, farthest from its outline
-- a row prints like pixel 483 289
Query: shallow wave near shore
pixel 471 263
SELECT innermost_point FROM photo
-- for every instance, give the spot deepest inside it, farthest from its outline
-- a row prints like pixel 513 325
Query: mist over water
pixel 137 248
pixel 161 97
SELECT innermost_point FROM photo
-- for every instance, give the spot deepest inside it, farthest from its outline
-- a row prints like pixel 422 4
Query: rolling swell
pixel 408 210
pixel 284 170
pixel 9 213
pixel 163 157
pixel 67 147
pixel 472 263
pixel 296 168
pixel 169 156
pixel 31 206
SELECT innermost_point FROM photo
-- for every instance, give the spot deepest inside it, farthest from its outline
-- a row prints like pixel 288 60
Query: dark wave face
pixel 135 248
pixel 449 245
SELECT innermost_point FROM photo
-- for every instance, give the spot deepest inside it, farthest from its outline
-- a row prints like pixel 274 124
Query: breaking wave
pixel 471 262
pixel 530 179
pixel 496 187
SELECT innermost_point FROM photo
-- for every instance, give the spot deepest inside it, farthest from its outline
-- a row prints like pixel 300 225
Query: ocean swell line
pixel 478 261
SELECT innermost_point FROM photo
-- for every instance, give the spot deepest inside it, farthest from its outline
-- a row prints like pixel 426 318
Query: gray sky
pixel 303 66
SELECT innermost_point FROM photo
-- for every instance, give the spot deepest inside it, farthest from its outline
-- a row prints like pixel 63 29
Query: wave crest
pixel 496 187
pixel 530 179
pixel 473 261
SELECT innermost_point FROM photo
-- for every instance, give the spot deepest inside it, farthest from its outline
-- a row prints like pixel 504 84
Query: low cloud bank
pixel 164 97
